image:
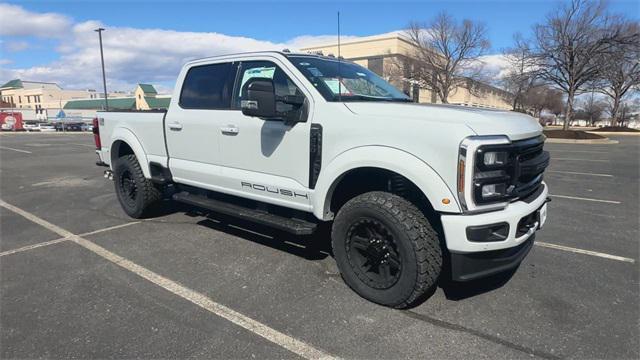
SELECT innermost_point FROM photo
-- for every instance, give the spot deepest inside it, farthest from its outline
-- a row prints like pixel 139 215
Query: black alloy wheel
pixel 128 187
pixel 137 195
pixel 373 254
pixel 386 249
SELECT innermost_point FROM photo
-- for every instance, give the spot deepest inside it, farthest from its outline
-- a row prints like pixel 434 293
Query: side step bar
pixel 294 226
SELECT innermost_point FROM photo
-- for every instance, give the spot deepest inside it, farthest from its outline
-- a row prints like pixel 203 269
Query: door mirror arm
pixel 295 100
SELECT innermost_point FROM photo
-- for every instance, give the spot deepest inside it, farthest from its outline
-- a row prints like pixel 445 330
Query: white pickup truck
pixel 412 192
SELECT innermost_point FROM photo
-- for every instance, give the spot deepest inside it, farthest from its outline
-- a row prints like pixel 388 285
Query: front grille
pixel 530 161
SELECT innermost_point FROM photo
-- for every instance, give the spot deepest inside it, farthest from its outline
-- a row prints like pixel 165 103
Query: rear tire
pixel 386 249
pixel 137 195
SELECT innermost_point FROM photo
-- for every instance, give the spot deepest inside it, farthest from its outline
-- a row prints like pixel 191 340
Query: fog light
pixel 488 233
pixel 494 158
pixel 493 190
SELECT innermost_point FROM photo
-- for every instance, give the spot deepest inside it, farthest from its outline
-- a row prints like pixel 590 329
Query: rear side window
pixel 208 87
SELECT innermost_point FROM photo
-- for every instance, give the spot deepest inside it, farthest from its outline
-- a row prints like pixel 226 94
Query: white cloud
pixel 135 55
pixel 16 21
pixel 15 46
pixel 303 41
pixel 495 64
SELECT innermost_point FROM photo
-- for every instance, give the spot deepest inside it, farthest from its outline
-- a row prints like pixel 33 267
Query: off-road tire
pixel 147 195
pixel 416 244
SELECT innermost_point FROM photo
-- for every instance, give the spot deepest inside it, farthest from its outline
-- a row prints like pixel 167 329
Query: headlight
pixel 483 173
pixel 495 158
pixel 491 191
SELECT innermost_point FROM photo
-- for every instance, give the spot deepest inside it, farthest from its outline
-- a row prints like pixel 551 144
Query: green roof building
pixel 127 103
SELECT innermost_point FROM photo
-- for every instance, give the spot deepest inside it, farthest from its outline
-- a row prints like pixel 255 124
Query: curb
pixel 622 133
pixel 604 141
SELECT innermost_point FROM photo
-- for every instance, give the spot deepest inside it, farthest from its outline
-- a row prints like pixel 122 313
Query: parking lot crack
pixel 488 337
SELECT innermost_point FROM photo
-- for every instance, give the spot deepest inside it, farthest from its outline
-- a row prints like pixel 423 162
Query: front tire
pixel 137 195
pixel 386 249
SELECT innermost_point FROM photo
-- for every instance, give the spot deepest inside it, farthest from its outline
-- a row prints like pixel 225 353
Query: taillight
pixel 96 133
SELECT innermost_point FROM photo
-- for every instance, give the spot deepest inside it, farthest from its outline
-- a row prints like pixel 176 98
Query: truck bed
pixel 146 126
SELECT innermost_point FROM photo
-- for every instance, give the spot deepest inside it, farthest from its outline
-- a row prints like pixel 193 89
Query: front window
pixel 345 81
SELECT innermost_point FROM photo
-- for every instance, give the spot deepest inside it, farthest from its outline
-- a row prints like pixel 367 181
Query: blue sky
pixel 269 21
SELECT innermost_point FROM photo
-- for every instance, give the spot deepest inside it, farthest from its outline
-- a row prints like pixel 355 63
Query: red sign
pixel 11 121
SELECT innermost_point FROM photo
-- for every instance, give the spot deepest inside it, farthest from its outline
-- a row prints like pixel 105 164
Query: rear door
pixel 192 125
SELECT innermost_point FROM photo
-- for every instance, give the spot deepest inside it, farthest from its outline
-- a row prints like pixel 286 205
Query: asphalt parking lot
pixel 78 279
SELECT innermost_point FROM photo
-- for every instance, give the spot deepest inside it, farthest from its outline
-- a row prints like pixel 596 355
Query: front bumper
pixel 471 266
pixel 474 259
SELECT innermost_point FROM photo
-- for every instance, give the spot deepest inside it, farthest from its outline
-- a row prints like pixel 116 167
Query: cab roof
pixel 285 53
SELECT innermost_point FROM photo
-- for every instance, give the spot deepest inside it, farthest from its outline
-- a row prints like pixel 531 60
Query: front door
pixel 268 158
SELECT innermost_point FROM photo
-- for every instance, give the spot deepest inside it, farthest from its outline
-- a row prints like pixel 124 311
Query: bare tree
pixel 627 111
pixel 554 102
pixel 539 98
pixel 592 108
pixel 447 54
pixel 534 100
pixel 571 46
pixel 621 73
pixel 522 71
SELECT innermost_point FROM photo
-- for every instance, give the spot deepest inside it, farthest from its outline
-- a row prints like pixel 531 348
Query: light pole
pixel 104 78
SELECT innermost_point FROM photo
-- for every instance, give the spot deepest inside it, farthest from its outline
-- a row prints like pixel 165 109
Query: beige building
pixel 145 97
pixel 44 101
pixel 40 97
pixel 378 53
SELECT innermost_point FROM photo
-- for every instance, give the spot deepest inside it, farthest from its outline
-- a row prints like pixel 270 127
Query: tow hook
pixel 108 174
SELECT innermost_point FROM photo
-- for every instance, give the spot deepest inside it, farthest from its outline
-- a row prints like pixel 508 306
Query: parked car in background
pixel 47 128
pixel 87 127
pixel 546 121
pixel 69 126
pixel 73 126
pixel 31 126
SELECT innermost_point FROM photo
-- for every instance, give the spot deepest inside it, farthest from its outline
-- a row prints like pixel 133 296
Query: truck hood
pixel 481 121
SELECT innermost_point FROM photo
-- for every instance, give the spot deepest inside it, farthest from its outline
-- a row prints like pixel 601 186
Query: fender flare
pixel 127 136
pixel 387 158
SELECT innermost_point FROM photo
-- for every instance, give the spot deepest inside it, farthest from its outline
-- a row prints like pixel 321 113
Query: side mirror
pixel 259 98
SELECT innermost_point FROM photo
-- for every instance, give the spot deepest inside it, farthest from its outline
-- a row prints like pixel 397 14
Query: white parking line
pixel 292 344
pixel 579 151
pixel 578 173
pixel 110 228
pixel 31 247
pixel 585 252
pixel 585 199
pixel 570 159
pixel 91 146
pixel 18 150
pixel 56 241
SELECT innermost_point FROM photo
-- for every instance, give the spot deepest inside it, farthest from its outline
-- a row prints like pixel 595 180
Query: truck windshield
pixel 345 81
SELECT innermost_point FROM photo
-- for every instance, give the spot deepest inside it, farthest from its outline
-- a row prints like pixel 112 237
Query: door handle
pixel 230 130
pixel 175 126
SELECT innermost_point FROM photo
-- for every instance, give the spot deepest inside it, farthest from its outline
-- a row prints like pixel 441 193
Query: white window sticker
pixel 315 72
pixel 262 72
pixel 335 86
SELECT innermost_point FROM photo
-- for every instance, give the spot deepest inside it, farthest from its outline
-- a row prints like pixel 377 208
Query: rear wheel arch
pixel 125 143
pixel 120 148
